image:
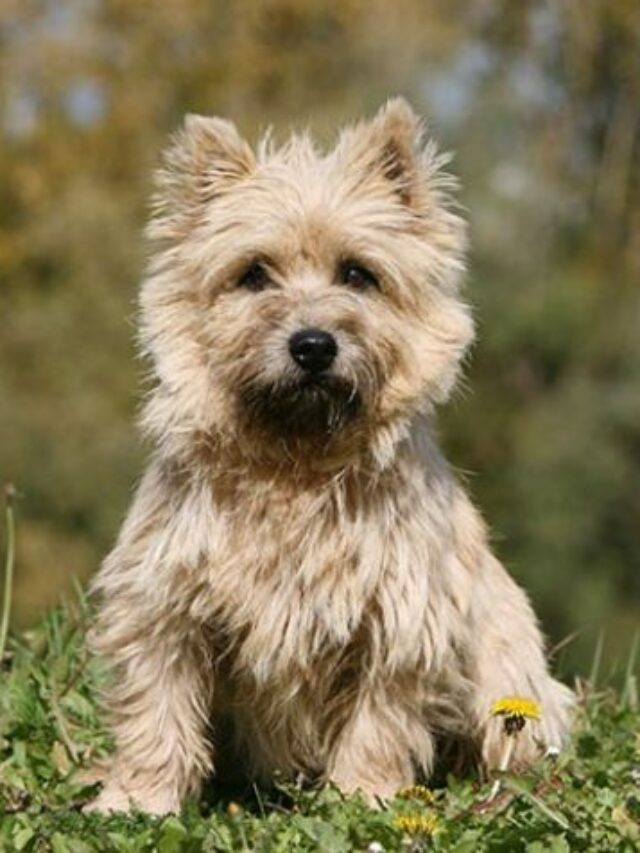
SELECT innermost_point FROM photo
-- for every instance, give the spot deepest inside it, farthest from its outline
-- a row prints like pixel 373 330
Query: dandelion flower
pixel 516 710
pixel 417 824
pixel 417 792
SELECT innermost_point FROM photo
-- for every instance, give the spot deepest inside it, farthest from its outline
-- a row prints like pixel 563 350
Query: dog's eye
pixel 357 276
pixel 255 277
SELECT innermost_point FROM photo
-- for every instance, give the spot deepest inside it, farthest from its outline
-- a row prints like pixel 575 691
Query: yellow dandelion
pixel 516 710
pixel 417 792
pixel 417 824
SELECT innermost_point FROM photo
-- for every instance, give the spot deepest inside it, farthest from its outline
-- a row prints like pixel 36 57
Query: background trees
pixel 541 102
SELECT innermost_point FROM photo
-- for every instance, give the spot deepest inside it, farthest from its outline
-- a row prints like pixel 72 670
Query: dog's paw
pixel 539 737
pixel 114 798
pixel 525 749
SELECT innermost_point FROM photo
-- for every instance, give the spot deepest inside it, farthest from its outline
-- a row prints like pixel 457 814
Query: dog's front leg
pixel 504 649
pixel 158 705
pixel 508 660
pixel 378 748
pixel 161 687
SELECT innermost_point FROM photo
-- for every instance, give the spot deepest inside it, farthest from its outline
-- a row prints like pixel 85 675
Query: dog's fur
pixel 299 559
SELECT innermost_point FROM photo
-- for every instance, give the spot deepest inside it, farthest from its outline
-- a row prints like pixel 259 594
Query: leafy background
pixel 540 101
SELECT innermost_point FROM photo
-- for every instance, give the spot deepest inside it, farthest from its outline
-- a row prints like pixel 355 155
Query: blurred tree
pixel 541 102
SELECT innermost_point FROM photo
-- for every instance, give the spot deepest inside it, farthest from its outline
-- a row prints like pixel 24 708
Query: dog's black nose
pixel 313 349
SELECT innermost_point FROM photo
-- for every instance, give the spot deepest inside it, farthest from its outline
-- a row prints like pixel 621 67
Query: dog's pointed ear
pixel 397 140
pixel 204 160
pixel 390 146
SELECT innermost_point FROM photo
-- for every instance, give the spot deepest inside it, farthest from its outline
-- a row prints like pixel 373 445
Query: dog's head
pixel 300 301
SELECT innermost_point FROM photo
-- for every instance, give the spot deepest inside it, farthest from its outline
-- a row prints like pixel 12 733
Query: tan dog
pixel 299 558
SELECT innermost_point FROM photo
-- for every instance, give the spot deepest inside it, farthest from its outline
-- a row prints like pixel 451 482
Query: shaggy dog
pixel 299 561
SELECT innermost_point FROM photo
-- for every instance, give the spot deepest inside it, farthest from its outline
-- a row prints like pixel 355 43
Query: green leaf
pixel 60 759
pixel 173 835
pixel 78 705
pixel 22 837
pixel 60 843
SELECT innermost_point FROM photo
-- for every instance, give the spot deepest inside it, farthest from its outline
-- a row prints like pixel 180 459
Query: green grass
pixel 587 799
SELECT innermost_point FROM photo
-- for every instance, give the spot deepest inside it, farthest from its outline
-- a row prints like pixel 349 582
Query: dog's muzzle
pixel 311 406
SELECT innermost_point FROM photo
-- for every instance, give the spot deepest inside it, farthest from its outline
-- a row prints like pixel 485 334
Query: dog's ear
pixel 391 146
pixel 204 160
pixel 396 139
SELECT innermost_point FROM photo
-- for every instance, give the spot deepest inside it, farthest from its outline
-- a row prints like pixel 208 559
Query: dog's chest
pixel 290 585
pixel 301 575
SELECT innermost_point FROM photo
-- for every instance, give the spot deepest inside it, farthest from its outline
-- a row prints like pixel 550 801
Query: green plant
pixel 50 732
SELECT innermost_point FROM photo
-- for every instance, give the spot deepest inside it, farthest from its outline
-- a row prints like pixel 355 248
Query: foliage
pixel 540 101
pixel 586 799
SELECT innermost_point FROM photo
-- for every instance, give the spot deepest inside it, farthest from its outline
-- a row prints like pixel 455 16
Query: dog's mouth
pixel 310 407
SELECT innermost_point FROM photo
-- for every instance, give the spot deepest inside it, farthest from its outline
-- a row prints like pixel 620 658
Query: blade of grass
pixel 597 661
pixel 9 494
pixel 630 689
pixel 256 791
pixel 570 638
pixel 81 596
pixel 522 791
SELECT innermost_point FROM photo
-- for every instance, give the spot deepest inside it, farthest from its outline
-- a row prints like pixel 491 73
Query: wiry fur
pixel 330 591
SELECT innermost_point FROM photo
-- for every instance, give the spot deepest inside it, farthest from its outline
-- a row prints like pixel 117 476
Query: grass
pixel 588 798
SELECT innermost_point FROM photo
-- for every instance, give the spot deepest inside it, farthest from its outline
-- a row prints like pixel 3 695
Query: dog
pixel 300 568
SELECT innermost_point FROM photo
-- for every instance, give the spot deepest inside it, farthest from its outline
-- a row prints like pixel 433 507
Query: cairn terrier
pixel 301 582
